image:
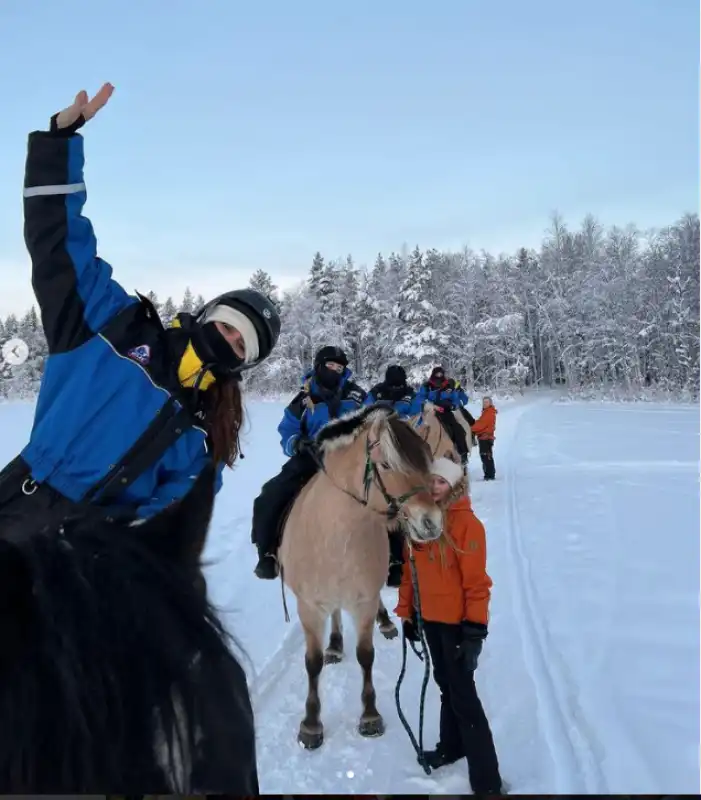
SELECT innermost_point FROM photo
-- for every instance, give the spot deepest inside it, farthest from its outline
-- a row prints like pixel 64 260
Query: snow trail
pixel 589 676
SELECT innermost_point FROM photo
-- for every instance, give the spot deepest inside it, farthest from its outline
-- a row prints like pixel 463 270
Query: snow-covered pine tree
pixel 168 311
pixel 422 338
pixel 187 305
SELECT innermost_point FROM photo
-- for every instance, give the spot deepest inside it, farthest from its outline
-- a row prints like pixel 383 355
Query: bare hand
pixel 81 105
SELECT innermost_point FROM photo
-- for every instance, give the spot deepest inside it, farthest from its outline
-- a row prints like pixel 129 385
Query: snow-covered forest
pixel 591 309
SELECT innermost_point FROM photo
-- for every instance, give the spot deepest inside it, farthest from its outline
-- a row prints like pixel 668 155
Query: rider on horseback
pixel 395 391
pixel 448 396
pixel 327 393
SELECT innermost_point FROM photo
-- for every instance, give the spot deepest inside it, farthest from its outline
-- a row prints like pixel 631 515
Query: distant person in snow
pixel 395 391
pixel 448 396
pixel 129 412
pixel 484 429
pixel 455 592
pixel 327 393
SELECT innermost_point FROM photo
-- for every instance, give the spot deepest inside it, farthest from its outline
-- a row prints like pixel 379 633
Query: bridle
pixel 372 475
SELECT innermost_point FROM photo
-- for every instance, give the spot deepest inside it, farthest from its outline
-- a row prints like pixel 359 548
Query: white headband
pixel 448 470
pixel 238 320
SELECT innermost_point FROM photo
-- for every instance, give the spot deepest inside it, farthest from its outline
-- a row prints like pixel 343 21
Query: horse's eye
pixel 384 465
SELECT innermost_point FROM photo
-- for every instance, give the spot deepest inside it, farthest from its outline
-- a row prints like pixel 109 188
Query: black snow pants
pixel 464 728
pixel 455 431
pixel 274 498
pixel 487 455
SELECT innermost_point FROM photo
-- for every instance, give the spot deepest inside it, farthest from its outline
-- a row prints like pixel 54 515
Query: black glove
pixel 306 447
pixel 67 131
pixel 411 633
pixel 468 649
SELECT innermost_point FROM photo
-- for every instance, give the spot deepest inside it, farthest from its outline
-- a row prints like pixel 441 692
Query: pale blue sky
pixel 246 135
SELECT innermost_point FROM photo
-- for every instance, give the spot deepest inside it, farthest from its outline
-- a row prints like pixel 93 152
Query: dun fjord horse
pixel 334 550
pixel 428 426
pixel 115 673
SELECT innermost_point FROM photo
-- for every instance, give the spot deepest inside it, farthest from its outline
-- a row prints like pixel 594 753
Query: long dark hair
pixel 225 418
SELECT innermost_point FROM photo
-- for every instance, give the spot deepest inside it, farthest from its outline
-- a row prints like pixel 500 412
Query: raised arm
pixel 73 286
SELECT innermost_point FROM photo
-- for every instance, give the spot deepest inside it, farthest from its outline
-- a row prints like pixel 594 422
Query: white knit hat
pixel 448 470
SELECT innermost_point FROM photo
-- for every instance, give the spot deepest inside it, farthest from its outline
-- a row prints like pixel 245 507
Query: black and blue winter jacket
pixel 111 368
pixel 314 406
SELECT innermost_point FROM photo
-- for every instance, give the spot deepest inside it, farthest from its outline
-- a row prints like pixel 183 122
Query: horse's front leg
pixel 311 730
pixel 371 722
pixel 334 652
pixel 387 628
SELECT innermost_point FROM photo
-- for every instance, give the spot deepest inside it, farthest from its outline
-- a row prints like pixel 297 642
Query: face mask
pixel 328 378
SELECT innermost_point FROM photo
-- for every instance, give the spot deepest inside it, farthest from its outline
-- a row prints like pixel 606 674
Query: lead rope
pixel 426 658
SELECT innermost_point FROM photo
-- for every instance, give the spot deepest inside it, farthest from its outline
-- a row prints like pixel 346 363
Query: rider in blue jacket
pixel 327 393
pixel 448 397
pixel 395 391
pixel 128 412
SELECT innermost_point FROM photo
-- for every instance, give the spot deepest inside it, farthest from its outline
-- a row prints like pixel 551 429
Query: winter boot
pixel 440 758
pixel 267 567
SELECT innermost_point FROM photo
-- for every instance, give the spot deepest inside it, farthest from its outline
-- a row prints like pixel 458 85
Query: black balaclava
pixel 395 376
pixel 437 376
pixel 327 378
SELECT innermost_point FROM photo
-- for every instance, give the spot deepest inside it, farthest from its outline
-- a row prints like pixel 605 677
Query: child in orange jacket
pixel 484 430
pixel 454 591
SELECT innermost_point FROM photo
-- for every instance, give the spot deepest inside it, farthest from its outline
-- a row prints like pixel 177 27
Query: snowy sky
pixel 252 135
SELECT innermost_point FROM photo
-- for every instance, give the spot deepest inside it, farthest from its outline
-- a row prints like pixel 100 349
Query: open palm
pixel 82 105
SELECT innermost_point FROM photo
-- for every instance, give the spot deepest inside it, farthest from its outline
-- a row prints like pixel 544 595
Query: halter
pixel 371 475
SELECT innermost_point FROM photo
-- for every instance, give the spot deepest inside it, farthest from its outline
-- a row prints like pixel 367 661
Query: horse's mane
pixel 404 449
pixel 110 629
pixel 344 431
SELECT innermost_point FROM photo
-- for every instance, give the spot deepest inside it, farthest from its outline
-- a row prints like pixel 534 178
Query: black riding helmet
pixel 210 345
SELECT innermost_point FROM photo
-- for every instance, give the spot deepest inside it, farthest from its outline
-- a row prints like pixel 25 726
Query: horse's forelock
pixel 403 448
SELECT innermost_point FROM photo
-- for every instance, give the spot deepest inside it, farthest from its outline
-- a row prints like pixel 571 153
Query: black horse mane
pixel 410 448
pixel 346 429
pixel 105 636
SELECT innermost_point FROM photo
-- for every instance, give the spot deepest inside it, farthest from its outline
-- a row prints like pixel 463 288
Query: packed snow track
pixel 590 673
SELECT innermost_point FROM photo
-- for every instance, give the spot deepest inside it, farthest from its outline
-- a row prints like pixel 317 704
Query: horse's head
pixel 397 466
pixel 100 623
pixel 429 427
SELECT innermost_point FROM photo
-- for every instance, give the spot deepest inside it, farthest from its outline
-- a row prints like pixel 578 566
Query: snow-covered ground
pixel 590 676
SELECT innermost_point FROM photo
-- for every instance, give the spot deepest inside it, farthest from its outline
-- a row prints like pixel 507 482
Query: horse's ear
pixel 180 530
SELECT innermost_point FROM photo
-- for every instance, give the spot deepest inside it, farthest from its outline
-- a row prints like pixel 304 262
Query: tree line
pixel 591 308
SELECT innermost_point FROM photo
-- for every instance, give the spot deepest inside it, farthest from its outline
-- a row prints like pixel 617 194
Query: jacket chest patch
pixel 141 354
pixel 355 396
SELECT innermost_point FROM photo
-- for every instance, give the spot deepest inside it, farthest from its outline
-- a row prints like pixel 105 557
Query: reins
pixel 424 656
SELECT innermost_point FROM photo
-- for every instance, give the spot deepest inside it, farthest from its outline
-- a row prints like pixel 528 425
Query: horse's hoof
pixel 375 726
pixel 389 631
pixel 333 657
pixel 310 740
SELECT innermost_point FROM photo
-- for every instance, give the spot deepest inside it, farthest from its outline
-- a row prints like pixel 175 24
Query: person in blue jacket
pixel 327 393
pixel 128 412
pixel 395 391
pixel 448 397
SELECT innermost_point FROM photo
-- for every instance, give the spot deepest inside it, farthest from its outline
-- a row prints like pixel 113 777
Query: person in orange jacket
pixel 454 590
pixel 483 429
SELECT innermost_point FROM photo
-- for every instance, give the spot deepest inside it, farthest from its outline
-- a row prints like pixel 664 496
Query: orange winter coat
pixel 485 425
pixel 460 590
